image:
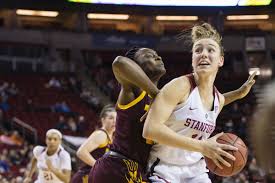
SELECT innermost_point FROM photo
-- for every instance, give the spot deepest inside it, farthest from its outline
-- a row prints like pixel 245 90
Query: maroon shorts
pixel 80 177
pixel 111 169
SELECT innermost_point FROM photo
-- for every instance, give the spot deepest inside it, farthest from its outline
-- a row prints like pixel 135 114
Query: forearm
pixel 33 168
pixel 164 135
pixel 128 70
pixel 232 96
pixel 86 158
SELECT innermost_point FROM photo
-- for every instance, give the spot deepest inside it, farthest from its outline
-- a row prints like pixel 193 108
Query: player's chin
pixel 162 70
pixel 52 147
pixel 203 71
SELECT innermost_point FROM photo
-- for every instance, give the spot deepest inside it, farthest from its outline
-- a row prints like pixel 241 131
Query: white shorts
pixel 167 173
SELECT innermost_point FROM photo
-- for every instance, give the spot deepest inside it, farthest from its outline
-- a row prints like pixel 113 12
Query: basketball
pixel 240 155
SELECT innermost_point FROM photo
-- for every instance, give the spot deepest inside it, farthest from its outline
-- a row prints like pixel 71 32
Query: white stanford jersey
pixel 192 120
pixel 60 160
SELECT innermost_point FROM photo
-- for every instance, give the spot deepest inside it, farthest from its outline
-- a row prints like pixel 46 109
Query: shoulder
pixel 64 154
pixel 177 87
pixel 100 134
pixel 179 83
pixel 37 150
pixel 98 137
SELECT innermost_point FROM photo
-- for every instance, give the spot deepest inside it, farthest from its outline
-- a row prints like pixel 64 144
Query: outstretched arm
pixel 128 73
pixel 240 92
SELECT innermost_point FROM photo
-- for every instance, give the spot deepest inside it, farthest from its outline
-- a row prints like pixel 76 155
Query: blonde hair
pixel 205 30
pixel 54 131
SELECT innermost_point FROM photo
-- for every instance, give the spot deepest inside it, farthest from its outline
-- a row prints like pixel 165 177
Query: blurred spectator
pixel 2 119
pixel 16 138
pixel 242 127
pixel 228 180
pixel 4 165
pixel 73 84
pixel 229 126
pixel 62 124
pixel 5 139
pixel 13 90
pixel 242 178
pixel 96 61
pixel 85 94
pixel 29 107
pixel 4 86
pixel 72 124
pixel 14 157
pixel 81 125
pixel 18 179
pixel 53 83
pixel 61 107
pixel 254 169
pixel 4 105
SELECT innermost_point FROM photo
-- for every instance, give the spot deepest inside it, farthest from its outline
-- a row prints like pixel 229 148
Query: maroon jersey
pixel 128 139
pixel 97 153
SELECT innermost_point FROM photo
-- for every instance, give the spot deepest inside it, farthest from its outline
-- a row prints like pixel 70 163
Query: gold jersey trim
pixel 134 102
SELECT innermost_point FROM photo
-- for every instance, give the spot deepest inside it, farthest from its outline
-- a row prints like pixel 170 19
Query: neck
pixel 205 83
pixel 51 151
pixel 109 132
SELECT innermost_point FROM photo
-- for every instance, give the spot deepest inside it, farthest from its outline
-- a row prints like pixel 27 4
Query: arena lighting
pixel 37 13
pixel 179 2
pixel 254 2
pixel 253 69
pixel 108 16
pixel 247 17
pixel 177 18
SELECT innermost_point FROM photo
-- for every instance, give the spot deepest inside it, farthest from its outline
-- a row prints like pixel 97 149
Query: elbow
pixel 146 134
pixel 79 153
pixel 149 132
pixel 118 63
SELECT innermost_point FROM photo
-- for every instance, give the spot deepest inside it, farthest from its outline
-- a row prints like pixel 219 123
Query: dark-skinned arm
pixel 128 73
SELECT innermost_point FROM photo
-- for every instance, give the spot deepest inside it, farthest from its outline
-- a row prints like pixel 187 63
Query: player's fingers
pixel 217 163
pixel 227 155
pixel 252 82
pixel 228 147
pixel 223 161
pixel 251 77
pixel 218 135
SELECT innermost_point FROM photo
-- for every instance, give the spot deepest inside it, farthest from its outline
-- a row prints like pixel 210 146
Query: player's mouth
pixel 203 63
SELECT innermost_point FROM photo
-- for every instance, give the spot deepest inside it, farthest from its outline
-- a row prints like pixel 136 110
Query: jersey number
pixel 196 136
pixel 148 141
pixel 48 176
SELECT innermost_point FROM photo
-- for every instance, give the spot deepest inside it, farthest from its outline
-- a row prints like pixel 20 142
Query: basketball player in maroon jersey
pixel 138 74
pixel 96 145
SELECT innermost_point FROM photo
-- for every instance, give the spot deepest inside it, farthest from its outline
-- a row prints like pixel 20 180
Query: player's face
pixel 53 141
pixel 206 56
pixel 150 62
pixel 109 121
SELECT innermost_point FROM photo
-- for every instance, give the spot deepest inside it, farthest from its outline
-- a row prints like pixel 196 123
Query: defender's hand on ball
pixel 216 151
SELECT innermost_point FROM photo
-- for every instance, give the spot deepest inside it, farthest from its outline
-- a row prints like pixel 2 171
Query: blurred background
pixel 55 65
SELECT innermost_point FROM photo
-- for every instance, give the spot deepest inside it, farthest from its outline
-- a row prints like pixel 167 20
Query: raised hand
pixel 246 87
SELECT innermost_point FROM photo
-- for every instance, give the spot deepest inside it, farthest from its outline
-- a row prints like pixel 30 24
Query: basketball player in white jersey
pixel 53 162
pixel 183 116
